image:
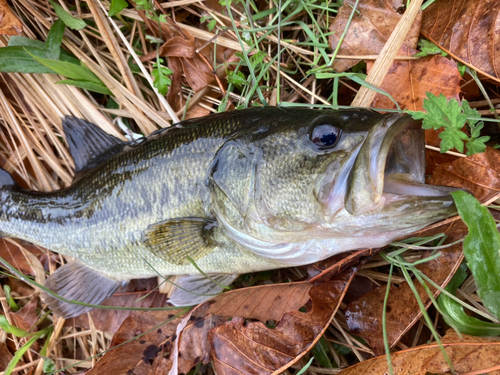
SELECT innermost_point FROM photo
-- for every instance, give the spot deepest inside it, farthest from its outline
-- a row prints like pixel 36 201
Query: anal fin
pixel 175 240
pixel 195 289
pixel 76 282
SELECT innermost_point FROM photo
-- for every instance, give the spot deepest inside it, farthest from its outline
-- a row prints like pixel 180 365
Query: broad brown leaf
pixel 5 356
pixel 137 356
pixel 468 30
pixel 369 30
pixel 253 348
pixel 265 302
pixel 139 293
pixel 468 354
pixel 200 339
pixel 14 254
pixel 27 316
pixel 409 81
pixel 479 173
pixel 9 24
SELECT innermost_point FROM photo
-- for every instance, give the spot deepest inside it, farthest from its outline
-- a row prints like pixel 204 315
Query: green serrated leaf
pixel 481 249
pixel 427 48
pixel 116 7
pixel 454 315
pixel 16 60
pixel 87 85
pixel 67 18
pixel 160 74
pixel 211 24
pixel 452 139
pixel 76 72
pixel 476 146
pixel 54 39
pixel 237 78
pixel 48 366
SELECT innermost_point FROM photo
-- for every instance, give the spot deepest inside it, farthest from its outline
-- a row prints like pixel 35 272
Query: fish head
pixel 344 176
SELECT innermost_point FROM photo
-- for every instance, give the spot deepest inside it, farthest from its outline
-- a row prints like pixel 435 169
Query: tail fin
pixel 5 178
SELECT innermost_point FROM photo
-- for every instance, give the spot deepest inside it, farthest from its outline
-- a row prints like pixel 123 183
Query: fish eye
pixel 325 135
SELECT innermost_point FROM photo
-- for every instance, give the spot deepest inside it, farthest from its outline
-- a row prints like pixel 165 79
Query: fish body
pixel 236 192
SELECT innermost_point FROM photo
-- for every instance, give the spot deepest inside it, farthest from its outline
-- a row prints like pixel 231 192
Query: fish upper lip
pixel 391 166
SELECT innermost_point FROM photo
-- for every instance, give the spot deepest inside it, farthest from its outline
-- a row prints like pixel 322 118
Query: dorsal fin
pixel 6 179
pixel 89 145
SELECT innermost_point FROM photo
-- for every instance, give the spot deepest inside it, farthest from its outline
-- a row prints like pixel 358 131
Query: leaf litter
pixel 283 319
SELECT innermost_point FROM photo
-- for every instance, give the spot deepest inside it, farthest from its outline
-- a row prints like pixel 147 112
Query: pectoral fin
pixel 176 239
pixel 76 282
pixel 195 289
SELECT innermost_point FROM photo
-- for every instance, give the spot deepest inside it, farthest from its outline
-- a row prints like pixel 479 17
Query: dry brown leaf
pixel 364 316
pixel 5 356
pixel 9 24
pixel 201 338
pixel 369 30
pixel 479 174
pixel 265 302
pixel 468 30
pixel 256 349
pixel 409 81
pixel 469 354
pixel 14 255
pixel 137 356
pixel 27 316
pixel 138 293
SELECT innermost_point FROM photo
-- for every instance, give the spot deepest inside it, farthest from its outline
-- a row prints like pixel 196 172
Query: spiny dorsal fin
pixel 5 178
pixel 176 239
pixel 77 282
pixel 89 145
pixel 195 289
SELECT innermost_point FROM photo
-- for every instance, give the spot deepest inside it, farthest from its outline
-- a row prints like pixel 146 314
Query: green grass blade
pixel 68 19
pixel 116 7
pixel 481 249
pixel 91 86
pixel 17 60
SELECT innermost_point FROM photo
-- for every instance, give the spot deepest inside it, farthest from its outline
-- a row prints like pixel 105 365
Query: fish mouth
pixel 389 171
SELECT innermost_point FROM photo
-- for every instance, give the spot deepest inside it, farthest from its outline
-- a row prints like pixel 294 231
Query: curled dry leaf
pixel 468 354
pixel 468 30
pixel 209 336
pixel 409 81
pixel 369 30
pixel 479 174
pixel 9 24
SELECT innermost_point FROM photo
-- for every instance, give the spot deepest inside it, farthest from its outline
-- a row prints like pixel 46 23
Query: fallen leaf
pixel 19 258
pixel 9 24
pixel 409 81
pixel 369 30
pixel 467 30
pixel 479 174
pixel 200 340
pixel 265 302
pixel 257 349
pixel 27 316
pixel 5 356
pixel 468 354
pixel 364 316
pixel 138 355
pixel 138 293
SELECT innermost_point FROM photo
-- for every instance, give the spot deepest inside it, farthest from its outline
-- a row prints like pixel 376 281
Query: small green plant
pixel 427 48
pixel 452 117
pixel 160 74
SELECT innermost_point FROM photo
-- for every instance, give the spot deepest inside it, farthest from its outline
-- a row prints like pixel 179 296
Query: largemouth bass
pixel 234 192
